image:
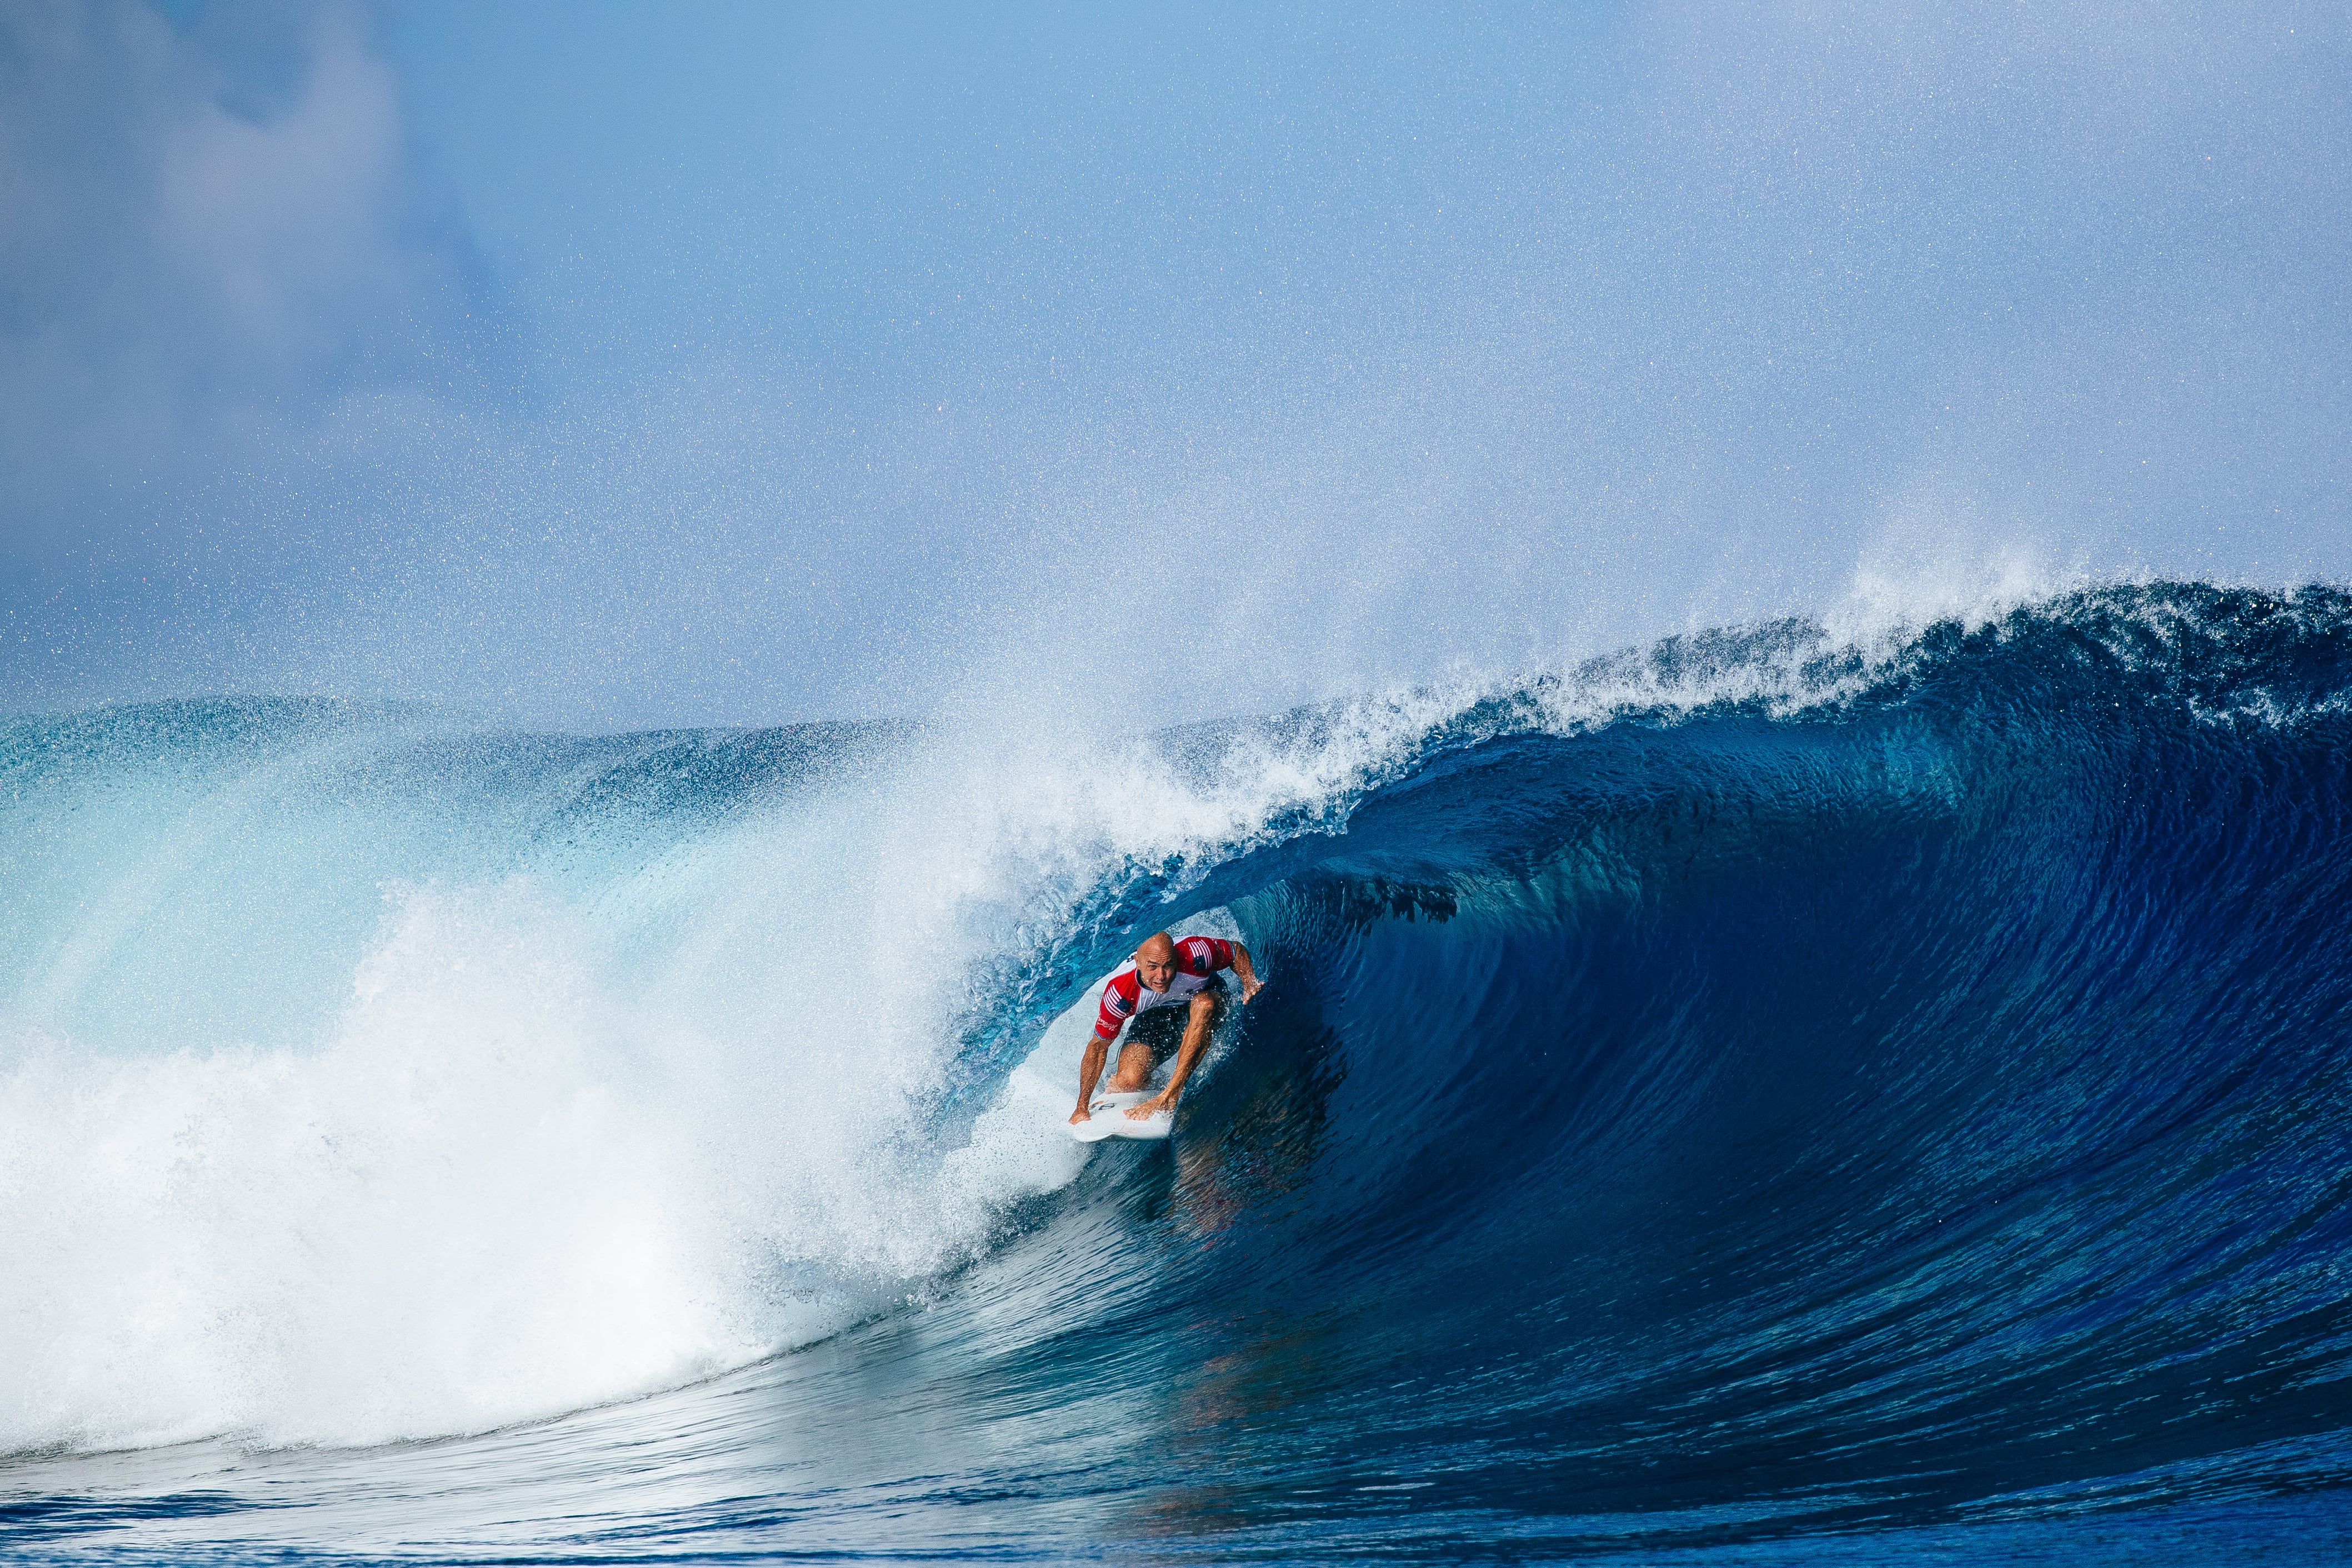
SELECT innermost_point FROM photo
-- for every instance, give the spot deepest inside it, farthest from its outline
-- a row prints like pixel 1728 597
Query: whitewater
pixel 1790 1093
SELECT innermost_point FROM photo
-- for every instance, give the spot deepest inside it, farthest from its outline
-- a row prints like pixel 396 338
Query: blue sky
pixel 632 365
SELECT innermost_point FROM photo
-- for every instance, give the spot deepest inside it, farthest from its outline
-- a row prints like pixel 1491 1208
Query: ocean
pixel 1780 1095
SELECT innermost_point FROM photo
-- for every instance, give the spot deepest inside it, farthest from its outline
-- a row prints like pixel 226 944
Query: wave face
pixel 1769 1097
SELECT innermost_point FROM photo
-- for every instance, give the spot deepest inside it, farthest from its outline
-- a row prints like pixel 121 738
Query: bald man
pixel 1164 973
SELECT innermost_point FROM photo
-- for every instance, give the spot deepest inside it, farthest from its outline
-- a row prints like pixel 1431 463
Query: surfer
pixel 1164 973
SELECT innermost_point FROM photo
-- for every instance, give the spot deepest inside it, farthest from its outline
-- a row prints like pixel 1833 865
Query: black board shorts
pixel 1162 1028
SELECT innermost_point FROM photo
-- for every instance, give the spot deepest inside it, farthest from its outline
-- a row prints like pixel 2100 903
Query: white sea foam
pixel 580 1124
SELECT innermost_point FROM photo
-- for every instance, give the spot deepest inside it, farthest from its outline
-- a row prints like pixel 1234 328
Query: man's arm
pixel 1089 1072
pixel 1196 1041
pixel 1251 984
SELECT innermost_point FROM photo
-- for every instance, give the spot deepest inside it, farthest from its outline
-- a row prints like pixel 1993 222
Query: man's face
pixel 1155 964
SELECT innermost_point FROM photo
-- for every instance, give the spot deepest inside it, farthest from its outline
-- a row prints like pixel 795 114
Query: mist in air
pixel 608 368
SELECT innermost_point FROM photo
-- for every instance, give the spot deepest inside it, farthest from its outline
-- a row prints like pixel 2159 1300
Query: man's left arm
pixel 1196 1041
pixel 1251 984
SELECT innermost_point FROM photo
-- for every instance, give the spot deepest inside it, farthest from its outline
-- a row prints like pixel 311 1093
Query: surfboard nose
pixel 1106 1117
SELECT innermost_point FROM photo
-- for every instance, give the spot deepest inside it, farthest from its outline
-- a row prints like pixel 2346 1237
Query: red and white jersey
pixel 1124 994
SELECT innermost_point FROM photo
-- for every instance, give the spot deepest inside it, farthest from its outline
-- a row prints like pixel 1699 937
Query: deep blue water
pixel 1750 1102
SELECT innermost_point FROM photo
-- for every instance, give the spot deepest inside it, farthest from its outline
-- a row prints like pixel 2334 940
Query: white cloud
pixel 175 274
pixel 286 232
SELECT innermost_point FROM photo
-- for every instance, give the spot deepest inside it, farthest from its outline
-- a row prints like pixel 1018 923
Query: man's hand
pixel 1080 1115
pixel 1250 986
pixel 1159 1105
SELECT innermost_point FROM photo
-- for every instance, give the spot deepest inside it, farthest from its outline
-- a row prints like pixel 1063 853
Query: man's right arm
pixel 1089 1073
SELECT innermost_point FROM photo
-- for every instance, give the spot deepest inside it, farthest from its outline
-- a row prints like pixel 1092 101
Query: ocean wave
pixel 1773 1080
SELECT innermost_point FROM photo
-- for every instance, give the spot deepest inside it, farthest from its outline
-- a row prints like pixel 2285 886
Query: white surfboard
pixel 1106 1117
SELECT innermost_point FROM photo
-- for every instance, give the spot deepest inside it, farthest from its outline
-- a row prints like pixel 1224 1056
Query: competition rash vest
pixel 1198 958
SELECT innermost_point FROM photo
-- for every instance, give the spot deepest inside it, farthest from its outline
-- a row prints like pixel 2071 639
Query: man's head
pixel 1155 961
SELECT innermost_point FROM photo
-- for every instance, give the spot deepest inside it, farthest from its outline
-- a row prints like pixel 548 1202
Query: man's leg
pixel 1150 1038
pixel 1136 1060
